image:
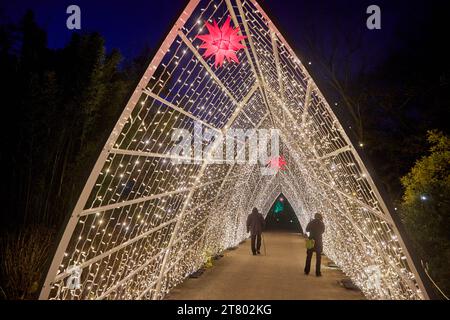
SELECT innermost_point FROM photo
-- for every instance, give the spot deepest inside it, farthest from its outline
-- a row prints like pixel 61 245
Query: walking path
pixel 277 275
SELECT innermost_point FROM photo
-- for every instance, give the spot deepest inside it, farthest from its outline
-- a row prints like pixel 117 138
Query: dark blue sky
pixel 132 24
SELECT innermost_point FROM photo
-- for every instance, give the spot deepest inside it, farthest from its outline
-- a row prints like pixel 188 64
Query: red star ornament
pixel 222 42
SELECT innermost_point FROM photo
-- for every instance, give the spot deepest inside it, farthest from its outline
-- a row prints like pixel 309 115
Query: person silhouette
pixel 315 228
pixel 255 225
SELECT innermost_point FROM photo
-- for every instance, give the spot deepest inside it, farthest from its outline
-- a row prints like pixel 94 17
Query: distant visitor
pixel 255 225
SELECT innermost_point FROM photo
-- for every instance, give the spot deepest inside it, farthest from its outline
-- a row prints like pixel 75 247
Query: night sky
pixel 131 25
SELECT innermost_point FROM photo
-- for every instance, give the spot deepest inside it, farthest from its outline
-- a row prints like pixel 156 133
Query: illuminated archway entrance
pixel 282 217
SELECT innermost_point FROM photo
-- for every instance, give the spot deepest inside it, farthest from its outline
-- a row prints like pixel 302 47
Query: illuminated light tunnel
pixel 142 224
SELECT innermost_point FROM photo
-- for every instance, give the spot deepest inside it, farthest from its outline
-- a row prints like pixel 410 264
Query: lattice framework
pixel 142 224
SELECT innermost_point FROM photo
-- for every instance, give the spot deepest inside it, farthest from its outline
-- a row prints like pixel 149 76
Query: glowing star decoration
pixel 277 163
pixel 222 42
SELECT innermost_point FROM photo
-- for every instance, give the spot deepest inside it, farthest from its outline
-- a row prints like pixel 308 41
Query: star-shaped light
pixel 277 163
pixel 222 42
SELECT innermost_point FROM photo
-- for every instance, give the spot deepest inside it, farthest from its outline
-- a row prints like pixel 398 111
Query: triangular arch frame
pixel 139 228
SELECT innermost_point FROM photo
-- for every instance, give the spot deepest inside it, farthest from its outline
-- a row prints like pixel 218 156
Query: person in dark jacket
pixel 315 228
pixel 255 225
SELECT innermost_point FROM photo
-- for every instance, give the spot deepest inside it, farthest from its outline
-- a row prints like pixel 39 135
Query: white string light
pixel 120 240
